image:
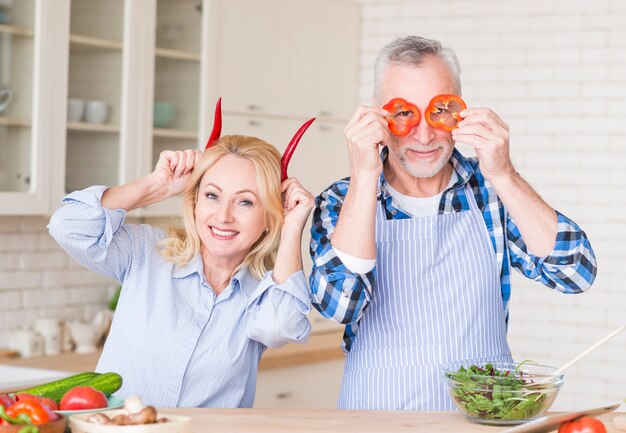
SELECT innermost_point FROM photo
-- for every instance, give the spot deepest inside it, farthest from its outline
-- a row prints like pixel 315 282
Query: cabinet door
pixel 311 386
pixel 27 129
pixel 176 75
pixel 93 154
pixel 254 55
pixel 175 94
pixel 325 40
pixel 274 131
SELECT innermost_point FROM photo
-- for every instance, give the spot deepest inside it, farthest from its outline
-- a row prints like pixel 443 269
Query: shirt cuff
pixel 296 285
pixel 92 196
pixel 356 265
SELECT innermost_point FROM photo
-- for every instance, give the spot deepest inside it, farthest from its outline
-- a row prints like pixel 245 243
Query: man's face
pixel 425 150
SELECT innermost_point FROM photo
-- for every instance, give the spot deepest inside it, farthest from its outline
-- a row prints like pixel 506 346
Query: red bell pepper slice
pixel 443 111
pixel 404 116
pixel 34 410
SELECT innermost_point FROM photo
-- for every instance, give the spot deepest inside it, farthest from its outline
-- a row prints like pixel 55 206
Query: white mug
pixel 5 98
pixel 96 111
pixel 75 110
pixel 27 342
pixel 50 330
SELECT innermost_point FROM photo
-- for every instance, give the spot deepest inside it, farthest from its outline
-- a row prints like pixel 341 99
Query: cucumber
pixel 107 383
pixel 60 387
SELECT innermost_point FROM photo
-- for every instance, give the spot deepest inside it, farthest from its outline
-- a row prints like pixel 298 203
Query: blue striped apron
pixel 437 299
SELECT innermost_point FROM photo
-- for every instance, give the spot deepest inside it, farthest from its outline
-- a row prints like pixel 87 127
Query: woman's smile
pixel 222 234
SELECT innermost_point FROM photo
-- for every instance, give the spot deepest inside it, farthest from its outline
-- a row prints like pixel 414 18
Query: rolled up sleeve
pixel 94 236
pixel 571 266
pixel 277 312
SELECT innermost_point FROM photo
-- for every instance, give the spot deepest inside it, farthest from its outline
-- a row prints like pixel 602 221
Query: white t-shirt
pixel 416 206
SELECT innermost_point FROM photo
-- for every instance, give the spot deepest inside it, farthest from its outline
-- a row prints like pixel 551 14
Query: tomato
pixel 443 111
pixel 403 116
pixel 83 397
pixel 583 424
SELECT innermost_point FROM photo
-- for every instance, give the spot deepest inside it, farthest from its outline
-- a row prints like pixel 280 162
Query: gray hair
pixel 411 51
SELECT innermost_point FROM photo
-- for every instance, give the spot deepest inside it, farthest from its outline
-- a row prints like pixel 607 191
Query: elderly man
pixel 414 251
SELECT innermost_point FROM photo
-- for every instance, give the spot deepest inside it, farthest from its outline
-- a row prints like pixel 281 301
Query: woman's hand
pixel 173 169
pixel 297 203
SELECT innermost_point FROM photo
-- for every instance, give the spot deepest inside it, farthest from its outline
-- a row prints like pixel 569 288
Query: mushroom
pixel 147 415
pixel 100 418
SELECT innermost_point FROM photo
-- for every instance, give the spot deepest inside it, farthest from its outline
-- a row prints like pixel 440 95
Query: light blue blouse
pixel 174 341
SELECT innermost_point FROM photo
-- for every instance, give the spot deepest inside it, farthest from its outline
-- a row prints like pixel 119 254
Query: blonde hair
pixel 184 244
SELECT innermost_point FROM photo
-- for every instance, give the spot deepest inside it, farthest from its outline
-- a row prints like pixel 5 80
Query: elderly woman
pixel 200 305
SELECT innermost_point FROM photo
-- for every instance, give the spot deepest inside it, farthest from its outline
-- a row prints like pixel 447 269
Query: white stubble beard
pixel 424 172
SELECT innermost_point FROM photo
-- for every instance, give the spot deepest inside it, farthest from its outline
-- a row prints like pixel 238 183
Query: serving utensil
pixel 591 348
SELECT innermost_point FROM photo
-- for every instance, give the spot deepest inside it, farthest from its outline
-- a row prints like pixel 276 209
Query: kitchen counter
pixel 321 347
pixel 316 421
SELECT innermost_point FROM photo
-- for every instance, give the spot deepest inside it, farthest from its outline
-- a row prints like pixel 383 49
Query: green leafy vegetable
pixel 489 393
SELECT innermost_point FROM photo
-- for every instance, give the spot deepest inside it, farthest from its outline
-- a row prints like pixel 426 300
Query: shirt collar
pixel 461 165
pixel 243 279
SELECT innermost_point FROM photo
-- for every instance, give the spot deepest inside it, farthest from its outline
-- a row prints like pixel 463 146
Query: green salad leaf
pixel 488 393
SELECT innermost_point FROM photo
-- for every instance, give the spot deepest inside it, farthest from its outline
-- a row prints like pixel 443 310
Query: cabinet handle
pixel 283 395
pixel 254 123
pixel 325 128
pixel 326 113
pixel 253 107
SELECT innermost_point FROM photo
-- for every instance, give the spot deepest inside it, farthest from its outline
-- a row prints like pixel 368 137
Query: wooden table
pixel 322 420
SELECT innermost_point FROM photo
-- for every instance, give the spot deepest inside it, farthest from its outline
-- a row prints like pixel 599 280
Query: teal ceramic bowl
pixel 164 113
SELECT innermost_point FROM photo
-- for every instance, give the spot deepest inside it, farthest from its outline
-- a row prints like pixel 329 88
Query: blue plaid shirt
pixel 342 295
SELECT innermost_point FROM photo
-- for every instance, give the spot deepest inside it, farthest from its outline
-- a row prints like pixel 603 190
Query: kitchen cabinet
pixel 28 44
pixel 94 87
pixel 254 54
pixel 88 107
pixel 324 69
pixel 144 63
pixel 101 88
pixel 276 58
pixel 314 386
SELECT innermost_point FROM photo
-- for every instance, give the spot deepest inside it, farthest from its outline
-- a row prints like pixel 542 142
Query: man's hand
pixel 173 169
pixel 489 135
pixel 366 130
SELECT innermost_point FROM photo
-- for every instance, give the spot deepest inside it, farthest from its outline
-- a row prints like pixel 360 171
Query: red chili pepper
pixel 217 124
pixel 404 116
pixel 291 147
pixel 443 111
pixel 36 412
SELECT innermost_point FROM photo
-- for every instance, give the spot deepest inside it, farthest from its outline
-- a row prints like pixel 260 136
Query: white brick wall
pixel 556 72
pixel 37 278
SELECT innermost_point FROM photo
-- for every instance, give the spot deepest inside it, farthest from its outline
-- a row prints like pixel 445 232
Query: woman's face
pixel 230 217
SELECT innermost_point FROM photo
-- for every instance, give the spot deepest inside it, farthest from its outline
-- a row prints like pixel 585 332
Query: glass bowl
pixel 501 393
